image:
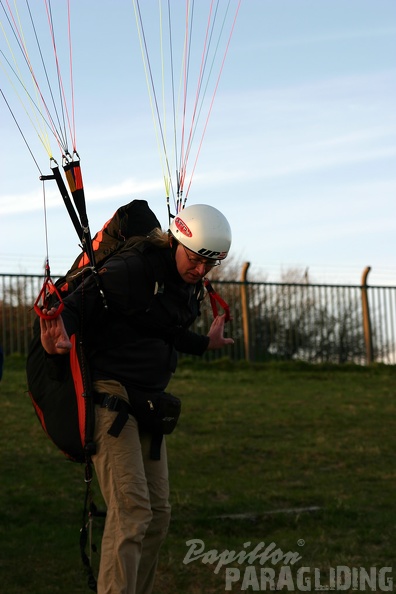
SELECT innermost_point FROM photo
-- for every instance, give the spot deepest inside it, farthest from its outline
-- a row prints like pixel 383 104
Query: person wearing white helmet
pixel 204 235
pixel 153 290
pixel 204 230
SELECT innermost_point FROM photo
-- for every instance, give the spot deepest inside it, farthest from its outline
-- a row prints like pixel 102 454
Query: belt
pixel 124 409
pixel 116 404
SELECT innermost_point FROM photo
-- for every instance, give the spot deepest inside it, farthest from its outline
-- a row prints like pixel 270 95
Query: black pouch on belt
pixel 156 412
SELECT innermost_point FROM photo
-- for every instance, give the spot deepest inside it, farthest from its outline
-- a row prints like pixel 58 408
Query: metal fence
pixel 17 295
pixel 285 321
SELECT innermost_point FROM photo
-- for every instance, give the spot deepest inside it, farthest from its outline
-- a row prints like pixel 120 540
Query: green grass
pixel 272 453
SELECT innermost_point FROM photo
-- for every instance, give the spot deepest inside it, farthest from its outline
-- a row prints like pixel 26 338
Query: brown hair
pixel 156 237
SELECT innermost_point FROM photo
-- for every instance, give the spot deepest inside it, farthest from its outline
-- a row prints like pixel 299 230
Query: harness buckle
pixel 110 402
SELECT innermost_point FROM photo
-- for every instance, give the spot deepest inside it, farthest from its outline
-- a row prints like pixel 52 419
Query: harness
pixel 124 409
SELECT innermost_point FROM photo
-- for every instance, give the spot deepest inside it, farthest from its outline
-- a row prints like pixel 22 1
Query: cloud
pixel 34 201
pixel 332 38
pixel 337 122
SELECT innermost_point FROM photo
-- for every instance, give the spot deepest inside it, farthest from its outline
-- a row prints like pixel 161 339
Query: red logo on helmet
pixel 182 227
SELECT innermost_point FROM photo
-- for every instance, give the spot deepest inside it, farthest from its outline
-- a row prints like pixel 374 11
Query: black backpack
pixel 61 396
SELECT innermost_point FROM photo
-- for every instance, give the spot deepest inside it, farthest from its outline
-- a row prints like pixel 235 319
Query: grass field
pixel 296 455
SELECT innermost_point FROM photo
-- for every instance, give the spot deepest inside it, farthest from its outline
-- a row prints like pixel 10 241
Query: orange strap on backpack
pixel 216 299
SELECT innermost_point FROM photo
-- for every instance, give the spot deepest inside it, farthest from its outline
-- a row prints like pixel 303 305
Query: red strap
pixel 214 299
pixel 48 287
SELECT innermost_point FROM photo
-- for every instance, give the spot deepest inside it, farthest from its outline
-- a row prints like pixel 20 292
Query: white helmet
pixel 204 230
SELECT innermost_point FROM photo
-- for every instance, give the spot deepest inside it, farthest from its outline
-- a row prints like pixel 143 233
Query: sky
pixel 299 152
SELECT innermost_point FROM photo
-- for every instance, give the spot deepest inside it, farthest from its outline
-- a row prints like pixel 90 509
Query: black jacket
pixel 150 309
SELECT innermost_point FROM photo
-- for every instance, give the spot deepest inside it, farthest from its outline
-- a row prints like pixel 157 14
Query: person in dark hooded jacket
pixel 153 289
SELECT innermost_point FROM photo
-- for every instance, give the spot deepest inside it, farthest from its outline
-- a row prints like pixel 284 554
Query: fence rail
pixel 310 322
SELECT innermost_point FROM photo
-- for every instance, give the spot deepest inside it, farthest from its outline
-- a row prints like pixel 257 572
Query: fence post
pixel 245 310
pixel 368 337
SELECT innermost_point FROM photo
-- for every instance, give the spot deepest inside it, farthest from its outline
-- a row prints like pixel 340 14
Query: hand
pixel 54 337
pixel 216 334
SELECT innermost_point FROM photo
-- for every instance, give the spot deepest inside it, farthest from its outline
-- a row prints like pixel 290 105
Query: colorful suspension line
pixel 50 113
pixel 53 113
pixel 47 112
pixel 190 116
pixel 49 288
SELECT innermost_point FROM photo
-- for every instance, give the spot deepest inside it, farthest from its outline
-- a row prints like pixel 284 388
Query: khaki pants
pixel 136 490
